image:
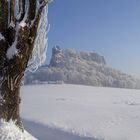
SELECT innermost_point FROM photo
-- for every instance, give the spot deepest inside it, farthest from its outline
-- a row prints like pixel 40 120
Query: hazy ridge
pixel 85 68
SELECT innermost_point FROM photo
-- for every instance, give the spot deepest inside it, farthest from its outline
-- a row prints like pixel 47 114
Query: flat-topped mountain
pixel 60 57
pixel 86 68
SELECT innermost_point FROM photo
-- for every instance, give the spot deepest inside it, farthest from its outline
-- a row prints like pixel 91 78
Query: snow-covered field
pixel 102 113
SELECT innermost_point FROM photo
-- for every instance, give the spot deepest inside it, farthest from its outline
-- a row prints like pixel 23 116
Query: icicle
pixel 41 43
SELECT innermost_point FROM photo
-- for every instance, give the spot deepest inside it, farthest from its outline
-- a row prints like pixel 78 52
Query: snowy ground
pixel 71 112
pixel 9 131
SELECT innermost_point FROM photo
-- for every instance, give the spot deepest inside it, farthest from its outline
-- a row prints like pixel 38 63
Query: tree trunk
pixel 16 33
pixel 9 108
pixel 11 77
pixel 10 90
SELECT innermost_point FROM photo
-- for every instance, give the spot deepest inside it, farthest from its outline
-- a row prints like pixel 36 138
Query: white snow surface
pixel 8 131
pixel 103 113
pixel 22 24
pixel 1 37
pixel 12 51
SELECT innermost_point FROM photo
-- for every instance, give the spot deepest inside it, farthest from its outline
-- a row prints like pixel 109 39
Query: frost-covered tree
pixel 23 42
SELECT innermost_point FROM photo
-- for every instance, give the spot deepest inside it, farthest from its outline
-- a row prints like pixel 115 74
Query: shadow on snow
pixel 43 132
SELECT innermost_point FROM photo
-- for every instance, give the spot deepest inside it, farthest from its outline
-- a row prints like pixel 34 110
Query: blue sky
pixel 109 27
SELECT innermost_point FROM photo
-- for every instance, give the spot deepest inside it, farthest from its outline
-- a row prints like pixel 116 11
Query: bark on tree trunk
pixel 10 91
pixel 10 106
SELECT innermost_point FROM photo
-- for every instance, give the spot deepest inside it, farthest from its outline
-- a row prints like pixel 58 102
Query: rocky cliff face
pixel 86 68
pixel 57 57
pixel 61 57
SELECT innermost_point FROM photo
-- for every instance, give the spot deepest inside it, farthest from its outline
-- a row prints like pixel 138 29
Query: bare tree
pixel 19 21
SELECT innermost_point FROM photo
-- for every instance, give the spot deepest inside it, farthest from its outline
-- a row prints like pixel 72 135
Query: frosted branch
pixel 41 43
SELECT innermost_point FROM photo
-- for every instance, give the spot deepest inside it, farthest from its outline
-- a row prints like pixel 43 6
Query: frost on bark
pixel 19 23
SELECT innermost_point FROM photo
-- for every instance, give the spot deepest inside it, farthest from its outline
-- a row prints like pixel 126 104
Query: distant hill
pixel 85 68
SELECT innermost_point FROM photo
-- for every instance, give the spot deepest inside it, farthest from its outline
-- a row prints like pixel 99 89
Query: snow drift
pixel 9 131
